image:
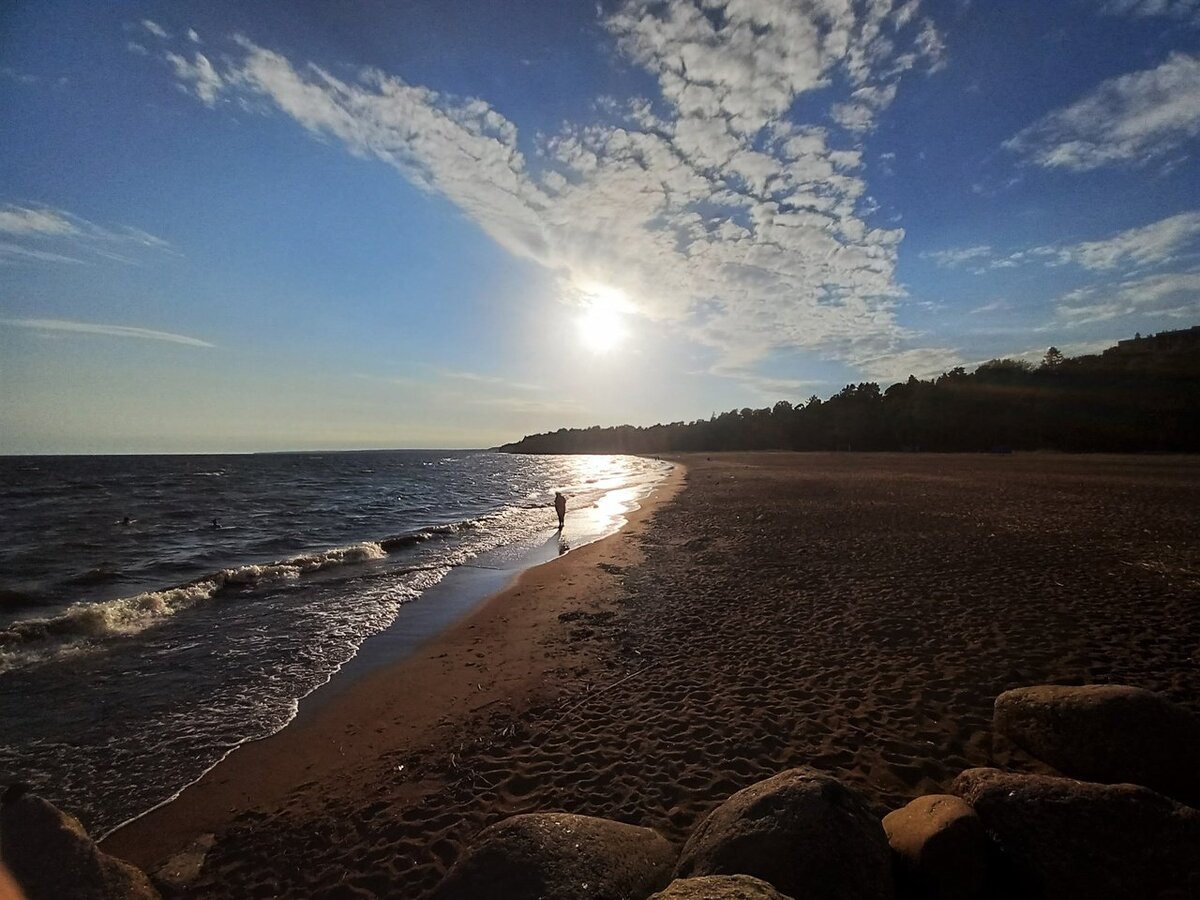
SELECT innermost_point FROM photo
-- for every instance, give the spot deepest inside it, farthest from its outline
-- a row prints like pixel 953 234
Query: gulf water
pixel 157 611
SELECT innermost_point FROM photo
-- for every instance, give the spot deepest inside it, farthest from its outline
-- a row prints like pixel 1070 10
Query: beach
pixel 857 613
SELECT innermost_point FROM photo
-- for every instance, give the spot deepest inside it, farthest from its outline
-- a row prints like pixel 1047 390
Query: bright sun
pixel 600 326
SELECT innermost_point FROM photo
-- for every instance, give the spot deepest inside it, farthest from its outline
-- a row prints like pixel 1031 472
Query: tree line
pixel 1140 395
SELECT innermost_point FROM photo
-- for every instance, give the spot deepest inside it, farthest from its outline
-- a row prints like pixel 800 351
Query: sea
pixel 158 611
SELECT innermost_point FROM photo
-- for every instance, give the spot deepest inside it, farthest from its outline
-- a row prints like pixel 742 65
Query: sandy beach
pixel 857 613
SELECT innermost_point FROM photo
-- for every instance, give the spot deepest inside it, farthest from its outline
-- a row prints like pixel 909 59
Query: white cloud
pixel 993 306
pixel 155 29
pixel 1175 295
pixel 747 229
pixel 42 227
pixel 198 75
pixel 1144 9
pixel 1152 244
pixel 93 328
pixel 957 256
pixel 1155 244
pixel 34 220
pixel 1132 119
pixel 10 252
pixel 923 362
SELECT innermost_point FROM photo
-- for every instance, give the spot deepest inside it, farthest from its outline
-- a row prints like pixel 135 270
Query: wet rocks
pixel 51 856
pixel 805 833
pixel 719 887
pixel 560 855
pixel 1072 839
pixel 1106 733
pixel 940 847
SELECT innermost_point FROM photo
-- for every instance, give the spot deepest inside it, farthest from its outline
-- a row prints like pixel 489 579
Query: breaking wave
pixel 32 640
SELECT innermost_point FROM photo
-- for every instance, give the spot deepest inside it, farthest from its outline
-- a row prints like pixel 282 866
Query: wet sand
pixel 853 612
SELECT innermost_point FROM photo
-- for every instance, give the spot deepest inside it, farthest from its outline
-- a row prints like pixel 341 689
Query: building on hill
pixel 1180 341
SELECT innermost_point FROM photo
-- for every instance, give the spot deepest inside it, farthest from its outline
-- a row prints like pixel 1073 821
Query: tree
pixel 1053 358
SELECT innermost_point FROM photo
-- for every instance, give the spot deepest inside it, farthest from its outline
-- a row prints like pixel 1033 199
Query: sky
pixel 249 226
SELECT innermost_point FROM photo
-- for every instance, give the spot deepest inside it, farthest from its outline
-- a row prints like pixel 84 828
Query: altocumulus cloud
pixel 708 205
pixel 94 328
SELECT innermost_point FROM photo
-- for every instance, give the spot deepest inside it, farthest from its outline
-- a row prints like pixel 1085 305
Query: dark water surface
pixel 134 655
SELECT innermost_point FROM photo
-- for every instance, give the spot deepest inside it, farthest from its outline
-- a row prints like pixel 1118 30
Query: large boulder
pixel 51 856
pixel 1069 839
pixel 1109 733
pixel 940 847
pixel 555 855
pixel 806 833
pixel 719 887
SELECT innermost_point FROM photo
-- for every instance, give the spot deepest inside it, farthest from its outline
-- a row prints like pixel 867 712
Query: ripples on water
pixel 134 655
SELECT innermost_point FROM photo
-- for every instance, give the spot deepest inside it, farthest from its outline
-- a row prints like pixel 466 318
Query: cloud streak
pixel 1129 120
pixel 51 326
pixel 1156 244
pixel 49 235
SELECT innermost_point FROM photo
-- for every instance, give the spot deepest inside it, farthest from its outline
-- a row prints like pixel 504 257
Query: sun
pixel 601 329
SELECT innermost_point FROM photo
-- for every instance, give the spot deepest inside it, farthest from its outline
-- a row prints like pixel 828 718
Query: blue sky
pixel 254 226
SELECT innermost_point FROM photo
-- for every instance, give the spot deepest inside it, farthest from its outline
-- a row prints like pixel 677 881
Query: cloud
pixel 155 29
pixel 1144 9
pixel 1144 246
pixel 1174 295
pixel 707 206
pixel 35 220
pixel 994 306
pixel 923 362
pixel 957 256
pixel 92 328
pixel 197 75
pixel 57 236
pixel 10 252
pixel 489 380
pixel 1132 119
pixel 19 77
pixel 1152 244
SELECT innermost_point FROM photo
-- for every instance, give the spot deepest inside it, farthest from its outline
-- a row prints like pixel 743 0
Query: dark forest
pixel 1140 395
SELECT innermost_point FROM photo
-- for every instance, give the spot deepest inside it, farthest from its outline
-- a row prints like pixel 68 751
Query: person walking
pixel 560 507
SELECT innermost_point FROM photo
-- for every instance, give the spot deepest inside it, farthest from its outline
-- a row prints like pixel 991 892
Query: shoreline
pixel 433 682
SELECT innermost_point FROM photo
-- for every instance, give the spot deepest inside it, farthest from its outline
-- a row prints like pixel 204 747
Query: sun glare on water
pixel 601 328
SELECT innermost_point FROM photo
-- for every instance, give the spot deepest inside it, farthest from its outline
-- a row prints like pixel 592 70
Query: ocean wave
pixel 24 641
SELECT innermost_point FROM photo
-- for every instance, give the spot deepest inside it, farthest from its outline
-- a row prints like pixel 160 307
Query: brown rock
pixel 940 847
pixel 1109 733
pixel 806 833
pixel 51 856
pixel 1070 839
pixel 554 855
pixel 719 887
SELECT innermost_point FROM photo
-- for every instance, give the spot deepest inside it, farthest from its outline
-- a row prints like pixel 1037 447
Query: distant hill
pixel 1142 394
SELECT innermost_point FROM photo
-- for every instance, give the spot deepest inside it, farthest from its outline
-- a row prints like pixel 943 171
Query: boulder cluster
pixel 1120 822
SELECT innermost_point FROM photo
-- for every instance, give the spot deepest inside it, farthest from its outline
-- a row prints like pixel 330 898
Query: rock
pixel 556 855
pixel 1109 733
pixel 806 833
pixel 719 887
pixel 1074 839
pixel 51 856
pixel 940 847
pixel 181 870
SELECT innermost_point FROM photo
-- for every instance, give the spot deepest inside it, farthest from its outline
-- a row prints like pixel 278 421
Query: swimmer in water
pixel 216 524
pixel 126 520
